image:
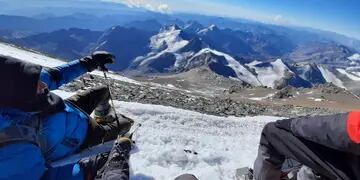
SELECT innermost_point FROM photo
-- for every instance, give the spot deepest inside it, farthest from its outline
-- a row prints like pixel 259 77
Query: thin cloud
pixel 279 19
pixel 150 5
pixel 164 8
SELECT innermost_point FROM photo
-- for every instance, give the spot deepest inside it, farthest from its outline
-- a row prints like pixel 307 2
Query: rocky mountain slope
pixel 256 58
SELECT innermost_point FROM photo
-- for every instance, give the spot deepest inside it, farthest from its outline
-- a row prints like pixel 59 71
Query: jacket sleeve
pixel 58 76
pixel 340 131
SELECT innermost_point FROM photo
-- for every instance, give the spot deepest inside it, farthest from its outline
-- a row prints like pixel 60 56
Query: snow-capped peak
pixel 270 73
pixel 193 27
pixel 208 29
pixel 354 57
pixel 173 27
pixel 331 77
pixel 241 72
pixel 212 27
pixel 169 40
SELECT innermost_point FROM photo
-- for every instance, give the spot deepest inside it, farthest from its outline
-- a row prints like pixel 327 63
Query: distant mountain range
pixel 253 53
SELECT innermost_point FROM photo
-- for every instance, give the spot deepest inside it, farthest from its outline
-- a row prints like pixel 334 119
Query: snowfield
pixel 222 144
pixel 34 57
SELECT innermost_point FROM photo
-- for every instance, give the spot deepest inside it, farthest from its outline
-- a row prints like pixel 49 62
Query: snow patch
pixel 318 100
pixel 253 63
pixel 170 85
pixel 355 57
pixel 116 77
pixel 349 75
pixel 208 29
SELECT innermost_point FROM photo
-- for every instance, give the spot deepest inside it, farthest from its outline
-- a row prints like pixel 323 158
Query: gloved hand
pixel 97 60
pixel 90 166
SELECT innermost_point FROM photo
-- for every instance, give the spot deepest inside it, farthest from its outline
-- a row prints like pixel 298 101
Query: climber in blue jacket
pixel 38 127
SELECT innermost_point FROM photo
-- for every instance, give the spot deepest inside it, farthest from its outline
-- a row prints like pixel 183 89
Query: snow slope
pixel 351 76
pixel 268 75
pixel 241 72
pixel 222 144
pixel 37 58
pixel 169 40
pixel 331 77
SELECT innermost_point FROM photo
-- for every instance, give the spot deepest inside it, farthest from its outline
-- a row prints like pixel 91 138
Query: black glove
pixel 97 60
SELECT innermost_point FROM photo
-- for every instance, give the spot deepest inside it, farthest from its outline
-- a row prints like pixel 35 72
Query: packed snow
pixel 331 77
pixel 222 144
pixel 218 145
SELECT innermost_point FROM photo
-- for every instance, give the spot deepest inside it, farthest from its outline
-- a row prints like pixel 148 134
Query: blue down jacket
pixel 60 133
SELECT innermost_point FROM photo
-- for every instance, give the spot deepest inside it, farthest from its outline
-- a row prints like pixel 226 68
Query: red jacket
pixel 339 131
pixel 353 126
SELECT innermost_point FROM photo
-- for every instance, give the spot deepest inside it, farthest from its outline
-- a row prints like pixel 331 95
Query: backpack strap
pixel 17 134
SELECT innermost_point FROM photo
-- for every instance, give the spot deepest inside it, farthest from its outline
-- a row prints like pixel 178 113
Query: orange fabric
pixel 353 126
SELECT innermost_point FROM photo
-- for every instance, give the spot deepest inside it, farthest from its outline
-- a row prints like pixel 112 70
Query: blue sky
pixel 341 16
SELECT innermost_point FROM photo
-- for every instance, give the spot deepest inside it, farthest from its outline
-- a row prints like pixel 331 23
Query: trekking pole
pixel 111 97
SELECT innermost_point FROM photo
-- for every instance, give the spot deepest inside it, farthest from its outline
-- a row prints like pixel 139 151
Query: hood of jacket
pixel 18 81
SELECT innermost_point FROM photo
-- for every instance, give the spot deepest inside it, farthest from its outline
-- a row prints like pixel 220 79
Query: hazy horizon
pixel 336 16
